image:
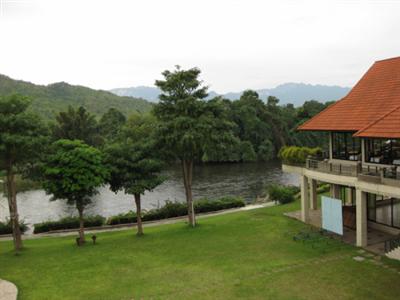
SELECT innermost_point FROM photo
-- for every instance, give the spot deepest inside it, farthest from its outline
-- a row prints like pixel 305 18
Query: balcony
pixel 372 174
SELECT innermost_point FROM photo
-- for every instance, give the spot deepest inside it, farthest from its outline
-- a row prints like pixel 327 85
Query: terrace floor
pixel 376 238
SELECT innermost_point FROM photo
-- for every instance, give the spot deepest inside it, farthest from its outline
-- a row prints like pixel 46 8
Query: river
pixel 247 180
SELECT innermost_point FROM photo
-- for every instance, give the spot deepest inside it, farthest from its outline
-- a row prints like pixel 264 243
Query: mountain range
pixel 296 93
pixel 48 100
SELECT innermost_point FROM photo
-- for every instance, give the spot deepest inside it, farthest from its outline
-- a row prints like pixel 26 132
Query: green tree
pixel 77 124
pixel 111 123
pixel 188 124
pixel 248 153
pixel 21 138
pixel 73 172
pixel 133 169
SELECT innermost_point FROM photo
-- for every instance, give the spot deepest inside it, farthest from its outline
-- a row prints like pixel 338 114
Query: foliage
pixel 298 155
pixel 111 124
pixel 68 223
pixel 77 124
pixel 282 194
pixel 177 209
pixel 6 227
pixel 247 151
pixel 49 100
pixel 22 137
pixel 188 125
pixel 73 172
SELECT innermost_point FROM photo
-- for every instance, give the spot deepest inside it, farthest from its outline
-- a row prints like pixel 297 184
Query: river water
pixel 247 180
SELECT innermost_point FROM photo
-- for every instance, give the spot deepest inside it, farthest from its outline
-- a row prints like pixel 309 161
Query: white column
pixel 305 202
pixel 361 217
pixel 349 196
pixel 313 194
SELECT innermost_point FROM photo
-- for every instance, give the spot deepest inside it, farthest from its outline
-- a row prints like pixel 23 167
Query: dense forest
pixel 259 129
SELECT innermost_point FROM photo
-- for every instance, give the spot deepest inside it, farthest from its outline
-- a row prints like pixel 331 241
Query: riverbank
pixel 246 254
pixel 108 228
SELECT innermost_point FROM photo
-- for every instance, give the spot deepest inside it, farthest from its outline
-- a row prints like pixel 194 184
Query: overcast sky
pixel 237 44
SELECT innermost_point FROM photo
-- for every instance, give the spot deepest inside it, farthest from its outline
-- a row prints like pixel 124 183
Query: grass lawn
pixel 248 255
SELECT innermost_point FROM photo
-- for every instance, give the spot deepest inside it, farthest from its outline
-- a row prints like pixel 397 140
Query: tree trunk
pixel 81 225
pixel 138 215
pixel 187 166
pixel 12 205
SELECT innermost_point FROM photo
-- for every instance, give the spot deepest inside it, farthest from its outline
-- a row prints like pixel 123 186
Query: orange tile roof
pixel 371 107
pixel 386 127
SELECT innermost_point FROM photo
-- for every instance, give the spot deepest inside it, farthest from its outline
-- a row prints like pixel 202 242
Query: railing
pixel 332 167
pixel 392 244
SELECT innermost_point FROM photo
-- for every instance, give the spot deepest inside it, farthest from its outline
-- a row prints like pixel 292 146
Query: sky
pixel 237 44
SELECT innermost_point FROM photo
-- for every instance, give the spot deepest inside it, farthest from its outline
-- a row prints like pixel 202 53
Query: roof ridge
pixel 391 58
pixel 376 121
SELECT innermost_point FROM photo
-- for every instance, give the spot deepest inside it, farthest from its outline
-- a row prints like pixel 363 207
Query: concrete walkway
pixel 93 230
pixel 8 290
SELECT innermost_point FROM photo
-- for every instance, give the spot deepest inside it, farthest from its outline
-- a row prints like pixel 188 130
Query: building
pixel 363 164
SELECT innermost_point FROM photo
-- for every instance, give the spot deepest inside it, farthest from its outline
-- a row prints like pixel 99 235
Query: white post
pixel 361 218
pixel 305 202
pixel 313 194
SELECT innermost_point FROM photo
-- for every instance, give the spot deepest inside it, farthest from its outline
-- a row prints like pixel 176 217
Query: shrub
pixel 68 223
pixel 298 155
pixel 282 194
pixel 6 228
pixel 178 209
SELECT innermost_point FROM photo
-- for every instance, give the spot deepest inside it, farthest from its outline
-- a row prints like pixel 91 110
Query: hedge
pixel 169 210
pixel 177 209
pixel 68 223
pixel 297 155
pixel 6 228
pixel 282 194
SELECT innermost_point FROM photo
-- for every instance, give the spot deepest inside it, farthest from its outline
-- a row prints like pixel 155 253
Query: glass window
pixel 345 147
pixel 384 212
pixel 382 151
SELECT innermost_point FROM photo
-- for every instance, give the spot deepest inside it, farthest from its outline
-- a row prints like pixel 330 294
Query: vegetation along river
pixel 247 180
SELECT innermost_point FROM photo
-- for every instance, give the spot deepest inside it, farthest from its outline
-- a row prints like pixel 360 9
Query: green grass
pixel 235 256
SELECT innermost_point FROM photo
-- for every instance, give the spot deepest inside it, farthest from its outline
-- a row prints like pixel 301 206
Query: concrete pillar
pixel 349 196
pixel 305 202
pixel 313 194
pixel 335 191
pixel 361 217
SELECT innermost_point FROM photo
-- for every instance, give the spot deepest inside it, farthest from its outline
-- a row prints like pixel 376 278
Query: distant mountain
pixel 48 100
pixel 296 93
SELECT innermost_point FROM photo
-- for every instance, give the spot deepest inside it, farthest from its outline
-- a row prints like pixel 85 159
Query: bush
pixel 68 223
pixel 6 228
pixel 282 194
pixel 178 209
pixel 298 155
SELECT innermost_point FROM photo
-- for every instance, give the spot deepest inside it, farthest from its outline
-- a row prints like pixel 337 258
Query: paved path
pixel 8 290
pixel 145 224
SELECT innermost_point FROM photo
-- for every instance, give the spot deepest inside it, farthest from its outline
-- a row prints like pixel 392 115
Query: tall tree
pixel 77 124
pixel 73 171
pixel 134 169
pixel 111 123
pixel 188 124
pixel 21 137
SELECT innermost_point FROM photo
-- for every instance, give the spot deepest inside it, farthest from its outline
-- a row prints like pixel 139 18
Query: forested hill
pixel 48 100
